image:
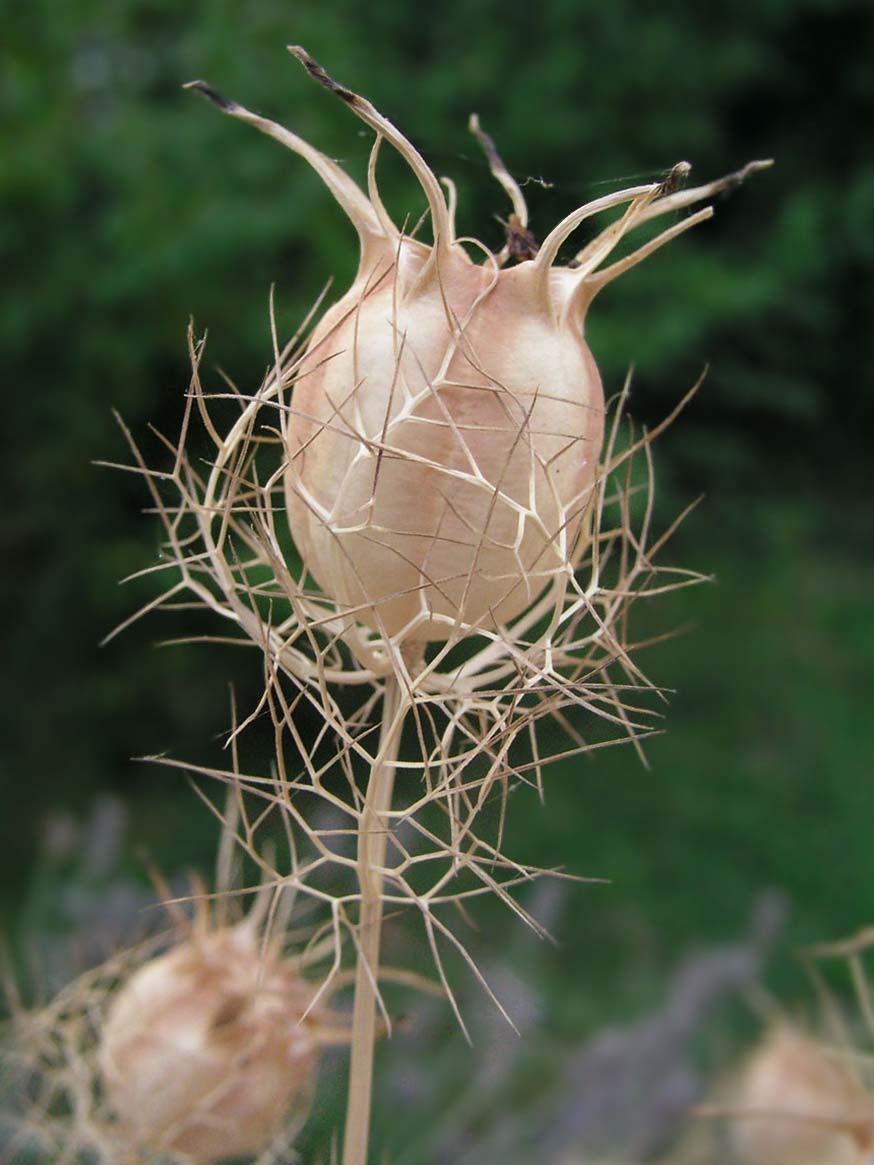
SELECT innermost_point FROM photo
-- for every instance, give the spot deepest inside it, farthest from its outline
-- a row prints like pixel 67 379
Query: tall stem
pixel 373 831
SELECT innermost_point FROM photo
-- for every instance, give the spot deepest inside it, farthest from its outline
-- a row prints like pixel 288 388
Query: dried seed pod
pixel 796 1103
pixel 447 417
pixel 205 1049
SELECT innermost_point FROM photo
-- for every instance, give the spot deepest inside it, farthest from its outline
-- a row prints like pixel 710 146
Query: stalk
pixel 373 831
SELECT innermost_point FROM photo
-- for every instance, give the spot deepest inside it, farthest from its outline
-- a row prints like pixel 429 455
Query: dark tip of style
pixel 213 95
pixel 316 71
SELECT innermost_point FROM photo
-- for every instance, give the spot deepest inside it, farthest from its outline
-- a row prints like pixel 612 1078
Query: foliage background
pixel 127 206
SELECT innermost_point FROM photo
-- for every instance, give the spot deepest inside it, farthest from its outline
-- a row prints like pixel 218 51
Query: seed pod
pixel 447 417
pixel 204 1050
pixel 795 1103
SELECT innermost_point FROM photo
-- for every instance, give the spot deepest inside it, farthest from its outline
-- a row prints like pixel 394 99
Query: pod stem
pixel 373 834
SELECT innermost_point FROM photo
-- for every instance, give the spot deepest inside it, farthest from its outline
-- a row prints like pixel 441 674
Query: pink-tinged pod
pixel 440 469
pixel 447 416
pixel 801 1102
pixel 205 1049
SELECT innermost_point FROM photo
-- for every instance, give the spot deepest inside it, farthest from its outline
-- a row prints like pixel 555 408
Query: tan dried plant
pixel 198 1044
pixel 805 1094
pixel 800 1101
pixel 418 521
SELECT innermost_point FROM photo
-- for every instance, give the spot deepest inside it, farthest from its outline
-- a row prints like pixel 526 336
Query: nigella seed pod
pixel 205 1049
pixel 447 416
pixel 800 1102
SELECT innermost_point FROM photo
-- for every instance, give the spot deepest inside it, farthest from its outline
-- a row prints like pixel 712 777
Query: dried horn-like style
pixel 447 419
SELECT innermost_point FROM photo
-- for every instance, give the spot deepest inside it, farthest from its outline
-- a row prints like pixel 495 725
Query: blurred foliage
pixel 127 206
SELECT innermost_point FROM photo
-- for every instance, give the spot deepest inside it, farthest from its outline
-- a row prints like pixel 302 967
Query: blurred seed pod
pixel 798 1104
pixel 198 1044
pixel 206 1048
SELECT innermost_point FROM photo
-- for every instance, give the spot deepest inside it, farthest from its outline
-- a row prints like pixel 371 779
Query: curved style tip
pixel 381 125
pixel 348 194
pixel 665 198
pixel 528 248
pixel 732 181
pixel 674 179
pixel 206 90
pixel 319 74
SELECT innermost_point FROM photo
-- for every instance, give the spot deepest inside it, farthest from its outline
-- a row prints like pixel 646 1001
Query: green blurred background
pixel 127 206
